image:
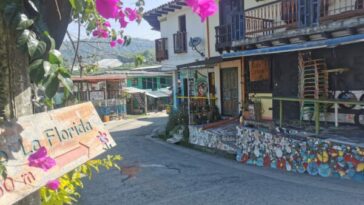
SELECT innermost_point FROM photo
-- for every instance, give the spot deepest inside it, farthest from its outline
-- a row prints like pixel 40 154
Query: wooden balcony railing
pixel 161 49
pixel 180 42
pixel 282 15
pixel 269 18
pixel 340 9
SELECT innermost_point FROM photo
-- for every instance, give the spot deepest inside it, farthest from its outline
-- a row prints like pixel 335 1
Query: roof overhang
pixel 309 45
pixel 152 16
pixel 207 63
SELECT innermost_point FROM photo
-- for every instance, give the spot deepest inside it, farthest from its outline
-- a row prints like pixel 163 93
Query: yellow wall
pixel 267 105
pixel 223 65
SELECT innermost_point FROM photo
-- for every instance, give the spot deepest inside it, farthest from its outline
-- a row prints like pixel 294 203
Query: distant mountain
pixel 93 50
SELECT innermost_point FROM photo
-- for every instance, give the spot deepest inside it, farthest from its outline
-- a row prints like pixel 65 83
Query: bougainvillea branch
pixel 203 8
pixel 115 10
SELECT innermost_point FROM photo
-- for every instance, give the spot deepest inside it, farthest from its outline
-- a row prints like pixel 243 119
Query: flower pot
pixel 106 118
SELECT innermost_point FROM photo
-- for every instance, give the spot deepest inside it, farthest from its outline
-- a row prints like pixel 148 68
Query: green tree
pixel 139 60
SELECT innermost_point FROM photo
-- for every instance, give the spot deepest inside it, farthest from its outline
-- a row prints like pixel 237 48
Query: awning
pixel 207 63
pixel 162 93
pixel 327 43
pixel 158 94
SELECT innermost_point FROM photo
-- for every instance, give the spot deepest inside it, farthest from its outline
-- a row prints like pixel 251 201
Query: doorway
pixel 229 92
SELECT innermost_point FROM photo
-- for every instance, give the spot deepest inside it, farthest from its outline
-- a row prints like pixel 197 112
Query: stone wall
pixel 299 154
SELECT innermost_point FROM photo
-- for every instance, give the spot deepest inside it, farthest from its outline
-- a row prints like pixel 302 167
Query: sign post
pixel 71 136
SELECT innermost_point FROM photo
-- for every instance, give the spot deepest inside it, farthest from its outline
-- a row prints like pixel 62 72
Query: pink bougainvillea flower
pixel 100 33
pixel 131 13
pixel 53 184
pixel 204 8
pixel 107 24
pixel 40 160
pixel 122 21
pixel 107 8
pixel 120 41
pixel 113 44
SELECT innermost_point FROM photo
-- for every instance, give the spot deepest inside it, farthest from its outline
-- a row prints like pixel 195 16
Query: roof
pixel 149 68
pixel 98 78
pixel 207 63
pixel 327 43
pixel 151 16
pixel 162 93
pixel 109 63
pixel 136 73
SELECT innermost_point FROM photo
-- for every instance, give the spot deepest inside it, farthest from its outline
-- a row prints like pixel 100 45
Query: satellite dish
pixel 194 42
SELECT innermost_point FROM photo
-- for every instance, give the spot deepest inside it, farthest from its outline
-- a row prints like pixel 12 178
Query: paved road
pixel 159 173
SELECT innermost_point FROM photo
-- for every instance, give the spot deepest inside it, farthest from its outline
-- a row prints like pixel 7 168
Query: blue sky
pixel 142 30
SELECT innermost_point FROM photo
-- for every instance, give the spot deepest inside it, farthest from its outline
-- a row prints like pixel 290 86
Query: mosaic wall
pixel 303 155
pixel 212 140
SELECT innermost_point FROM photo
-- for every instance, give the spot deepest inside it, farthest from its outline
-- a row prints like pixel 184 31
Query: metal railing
pixel 316 102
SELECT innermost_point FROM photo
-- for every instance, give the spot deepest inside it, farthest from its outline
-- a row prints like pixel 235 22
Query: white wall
pixel 213 21
pixel 195 28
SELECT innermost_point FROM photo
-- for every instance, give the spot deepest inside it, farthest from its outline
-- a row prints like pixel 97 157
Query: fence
pixel 316 102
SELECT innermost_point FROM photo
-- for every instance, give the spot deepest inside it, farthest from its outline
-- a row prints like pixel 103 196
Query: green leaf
pixel 32 6
pixel 55 57
pixel 23 38
pixel 73 3
pixel 66 82
pixel 39 51
pixel 48 102
pixel 51 85
pixel 23 22
pixel 36 71
pixel 50 41
pixel 32 45
pixel 3 171
pixel 47 68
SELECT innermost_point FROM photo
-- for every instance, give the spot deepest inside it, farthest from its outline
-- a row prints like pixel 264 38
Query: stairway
pixel 140 100
pixel 313 82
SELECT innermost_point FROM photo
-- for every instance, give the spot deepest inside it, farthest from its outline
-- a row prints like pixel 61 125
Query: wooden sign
pixel 259 70
pixel 71 136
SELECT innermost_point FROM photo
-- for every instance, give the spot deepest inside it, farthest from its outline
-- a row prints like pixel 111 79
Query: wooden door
pixel 229 92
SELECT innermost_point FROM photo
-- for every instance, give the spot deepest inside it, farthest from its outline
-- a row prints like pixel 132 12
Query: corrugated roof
pixel 109 63
pixel 151 16
pixel 162 93
pixel 98 78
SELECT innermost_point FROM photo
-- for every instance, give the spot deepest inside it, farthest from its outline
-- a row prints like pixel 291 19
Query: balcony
pixel 161 49
pixel 180 42
pixel 278 17
pixel 223 37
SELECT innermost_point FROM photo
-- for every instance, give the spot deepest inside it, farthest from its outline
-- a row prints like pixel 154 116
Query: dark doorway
pixel 185 87
pixel 229 92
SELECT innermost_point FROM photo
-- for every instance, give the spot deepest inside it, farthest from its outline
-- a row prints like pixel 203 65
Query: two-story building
pixel 184 49
pixel 292 64
pixel 298 49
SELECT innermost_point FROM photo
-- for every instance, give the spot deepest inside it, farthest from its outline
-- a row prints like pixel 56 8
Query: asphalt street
pixel 154 172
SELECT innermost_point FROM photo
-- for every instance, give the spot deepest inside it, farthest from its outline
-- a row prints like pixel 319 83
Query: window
pixel 161 49
pixel 163 82
pixel 180 38
pixel 150 83
pixel 182 23
pixel 134 82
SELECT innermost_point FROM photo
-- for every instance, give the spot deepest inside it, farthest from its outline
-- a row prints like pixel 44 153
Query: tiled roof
pixel 151 16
